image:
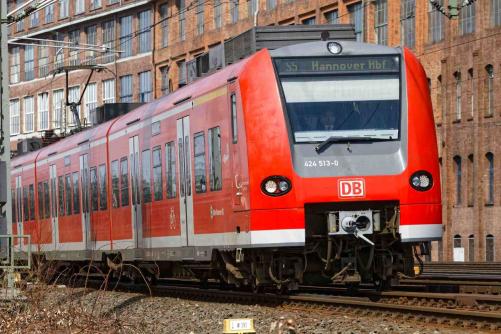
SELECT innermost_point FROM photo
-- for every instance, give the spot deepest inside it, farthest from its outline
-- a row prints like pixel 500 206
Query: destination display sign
pixel 327 65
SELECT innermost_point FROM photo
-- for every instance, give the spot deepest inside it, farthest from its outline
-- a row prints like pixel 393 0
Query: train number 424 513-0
pixel 321 163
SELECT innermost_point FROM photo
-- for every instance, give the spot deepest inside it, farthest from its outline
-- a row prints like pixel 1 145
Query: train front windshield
pixel 328 105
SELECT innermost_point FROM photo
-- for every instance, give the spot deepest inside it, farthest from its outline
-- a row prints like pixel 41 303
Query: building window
pixel 467 19
pixel 124 182
pixel 145 31
pixel 435 23
pixel 472 92
pixel 251 7
pixel 126 36
pixel 64 8
pixel 74 96
pixel 490 178
pixel 457 166
pixel 43 60
pixel 407 22
pixel 471 180
pixel 90 104
pixel 496 12
pixel 91 40
pixel 181 7
pixel 199 157
pixel 356 14
pixel 457 77
pixel 15 61
pixel 20 23
pixel 457 241
pixel 471 248
pixel 271 4
pixel 74 37
pixel 146 174
pixel 126 88
pixel 145 86
pixel 170 169
pixel 234 5
pixel 218 9
pixel 200 16
pixel 109 91
pixel 111 2
pixel 49 13
pixel 381 22
pixel 79 6
pixel 58 106
pixel 34 19
pixel 215 171
pixel 489 248
pixel 94 4
pixel 332 17
pixel 29 62
pixel 181 65
pixel 164 25
pixel 490 89
pixel 309 21
pixel 59 56
pixel 29 110
pixel 14 117
pixel 43 111
pixel 157 174
pixel 164 71
pixel 108 39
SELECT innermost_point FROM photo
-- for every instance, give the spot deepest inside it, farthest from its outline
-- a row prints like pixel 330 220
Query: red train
pixel 310 163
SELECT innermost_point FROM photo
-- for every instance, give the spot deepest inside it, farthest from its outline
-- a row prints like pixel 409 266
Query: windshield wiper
pixel 345 139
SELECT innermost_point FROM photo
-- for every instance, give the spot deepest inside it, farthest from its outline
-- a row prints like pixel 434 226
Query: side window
pixel 76 194
pixel 40 201
pixel 157 173
pixel 46 198
pixel 199 152
pixel 25 204
pixel 124 181
pixel 234 124
pixel 115 184
pixel 146 172
pixel 68 194
pixel 215 174
pixel 13 203
pixel 32 202
pixel 103 198
pixel 170 169
pixel 60 196
pixel 93 189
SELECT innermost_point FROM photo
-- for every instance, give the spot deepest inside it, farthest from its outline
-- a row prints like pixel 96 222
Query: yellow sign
pixel 238 326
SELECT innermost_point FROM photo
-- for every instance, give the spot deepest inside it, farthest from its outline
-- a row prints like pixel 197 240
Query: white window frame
pixel 43 111
pixel 90 103
pixel 29 114
pixel 14 117
pixel 57 106
pixel 109 91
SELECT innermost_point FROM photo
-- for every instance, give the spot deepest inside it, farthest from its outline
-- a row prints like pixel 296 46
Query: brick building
pixel 459 56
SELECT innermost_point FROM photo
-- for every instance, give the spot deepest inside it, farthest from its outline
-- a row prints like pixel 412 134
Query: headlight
pixel 421 180
pixel 276 185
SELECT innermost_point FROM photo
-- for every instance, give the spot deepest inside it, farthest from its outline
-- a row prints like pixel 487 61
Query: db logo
pixel 351 188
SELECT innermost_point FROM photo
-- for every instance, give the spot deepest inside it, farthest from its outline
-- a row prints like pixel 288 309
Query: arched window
pixel 471 248
pixel 457 241
pixel 490 178
pixel 489 248
pixel 489 87
pixel 472 92
pixel 457 77
pixel 457 166
pixel 471 180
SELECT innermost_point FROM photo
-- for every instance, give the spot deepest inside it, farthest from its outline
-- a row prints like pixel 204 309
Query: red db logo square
pixel 351 188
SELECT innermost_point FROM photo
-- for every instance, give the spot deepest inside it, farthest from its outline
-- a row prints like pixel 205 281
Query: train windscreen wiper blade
pixel 345 139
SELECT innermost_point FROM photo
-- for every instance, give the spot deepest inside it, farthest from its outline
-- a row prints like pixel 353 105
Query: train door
pixel 84 179
pixel 53 205
pixel 18 208
pixel 236 166
pixel 136 213
pixel 185 187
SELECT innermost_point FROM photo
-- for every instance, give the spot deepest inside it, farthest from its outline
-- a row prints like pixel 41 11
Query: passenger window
pixel 60 196
pixel 182 176
pixel 157 173
pixel 76 194
pixel 25 204
pixel 124 180
pixel 32 202
pixel 199 152
pixel 40 201
pixel 234 128
pixel 103 194
pixel 170 155
pixel 93 189
pixel 145 166
pixel 115 184
pixel 46 198
pixel 216 182
pixel 68 194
